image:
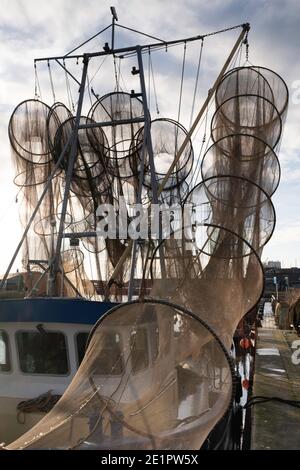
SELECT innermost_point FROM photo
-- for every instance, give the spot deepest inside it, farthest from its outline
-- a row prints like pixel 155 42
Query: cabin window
pixel 4 352
pixel 110 357
pixel 81 340
pixel 139 349
pixel 42 352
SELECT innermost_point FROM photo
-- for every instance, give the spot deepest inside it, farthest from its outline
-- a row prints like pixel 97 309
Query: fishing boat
pixel 136 226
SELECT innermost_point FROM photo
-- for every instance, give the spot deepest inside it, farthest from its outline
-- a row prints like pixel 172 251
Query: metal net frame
pixel 157 373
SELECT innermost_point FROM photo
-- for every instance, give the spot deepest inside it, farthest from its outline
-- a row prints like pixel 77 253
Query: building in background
pixel 273 264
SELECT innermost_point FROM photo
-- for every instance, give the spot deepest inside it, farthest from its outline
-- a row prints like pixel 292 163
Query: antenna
pixel 114 13
pixel 114 19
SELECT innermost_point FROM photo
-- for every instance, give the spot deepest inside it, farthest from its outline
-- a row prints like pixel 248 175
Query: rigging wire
pixel 139 32
pixel 69 93
pixel 179 42
pixel 37 88
pixel 203 150
pixel 198 162
pixel 89 89
pixel 240 55
pixel 196 83
pixel 154 86
pixel 88 85
pixel 51 82
pixel 119 76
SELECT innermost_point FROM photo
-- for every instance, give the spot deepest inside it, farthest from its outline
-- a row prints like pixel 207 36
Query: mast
pixel 54 263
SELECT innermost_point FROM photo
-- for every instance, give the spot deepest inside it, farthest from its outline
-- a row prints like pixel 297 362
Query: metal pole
pixel 73 153
pixel 114 19
pixel 113 33
pixel 147 144
pixel 245 27
pixel 71 284
pixel 192 129
pixel 37 282
pixel 48 184
pixel 139 199
pixel 147 132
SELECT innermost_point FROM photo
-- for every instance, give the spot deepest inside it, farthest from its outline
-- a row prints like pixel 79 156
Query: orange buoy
pixel 245 343
pixel 245 384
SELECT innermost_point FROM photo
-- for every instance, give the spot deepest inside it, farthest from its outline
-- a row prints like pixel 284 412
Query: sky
pixel 39 28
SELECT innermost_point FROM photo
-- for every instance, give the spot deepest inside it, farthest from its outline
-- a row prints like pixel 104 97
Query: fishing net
pixel 147 381
pixel 156 373
pixel 167 137
pixel 28 132
pixel 57 115
pixel 111 110
pixel 244 156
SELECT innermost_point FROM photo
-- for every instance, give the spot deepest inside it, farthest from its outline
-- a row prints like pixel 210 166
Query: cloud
pixel 31 28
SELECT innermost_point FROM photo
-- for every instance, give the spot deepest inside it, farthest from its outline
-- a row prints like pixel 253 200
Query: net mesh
pixel 156 373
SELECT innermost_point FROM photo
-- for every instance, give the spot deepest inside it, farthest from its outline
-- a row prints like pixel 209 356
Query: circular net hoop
pixel 156 351
pixel 214 257
pixel 247 114
pixel 57 115
pixel 89 164
pixel 251 100
pixel 49 225
pixel 245 156
pixel 71 260
pixel 28 132
pixel 203 270
pixel 32 176
pixel 93 245
pixel 175 196
pixel 98 187
pixel 117 107
pixel 233 203
pixel 81 212
pixel 167 137
pixel 255 80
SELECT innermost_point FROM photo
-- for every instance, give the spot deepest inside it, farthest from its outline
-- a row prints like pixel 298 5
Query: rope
pixel 247 46
pixel 42 403
pixel 256 400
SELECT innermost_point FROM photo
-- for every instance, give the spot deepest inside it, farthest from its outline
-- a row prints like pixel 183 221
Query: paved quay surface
pixel 276 425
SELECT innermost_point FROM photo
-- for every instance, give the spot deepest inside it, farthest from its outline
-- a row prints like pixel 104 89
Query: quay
pixel 275 425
